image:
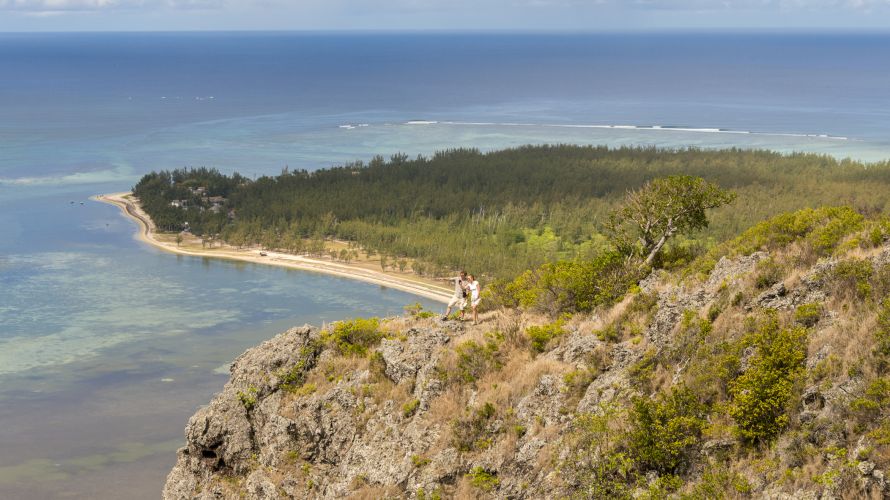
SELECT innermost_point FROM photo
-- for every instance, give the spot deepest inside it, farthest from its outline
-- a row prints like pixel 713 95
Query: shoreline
pixel 148 235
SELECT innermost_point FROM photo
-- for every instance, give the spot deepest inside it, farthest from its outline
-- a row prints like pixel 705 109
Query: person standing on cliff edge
pixel 459 299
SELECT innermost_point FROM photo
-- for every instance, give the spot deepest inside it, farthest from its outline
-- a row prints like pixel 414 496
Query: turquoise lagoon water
pixel 107 345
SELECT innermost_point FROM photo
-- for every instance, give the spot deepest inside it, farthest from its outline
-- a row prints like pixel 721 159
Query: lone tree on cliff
pixel 661 209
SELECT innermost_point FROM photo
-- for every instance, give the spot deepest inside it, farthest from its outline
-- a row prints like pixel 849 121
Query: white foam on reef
pixel 347 127
pixel 656 128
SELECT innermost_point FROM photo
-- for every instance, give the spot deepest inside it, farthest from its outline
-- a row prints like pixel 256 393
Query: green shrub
pixel 808 314
pixel 353 338
pixel 419 461
pixel 711 369
pixel 576 383
pixel 762 394
pixel 878 231
pixel 248 399
pixel 541 336
pixel 377 366
pixel 718 482
pixel 823 228
pixel 609 333
pixel 475 360
pixel 415 310
pixel 882 332
pixel 852 277
pixel 410 408
pixel 874 401
pixel 570 286
pixel 483 479
pixel 472 432
pixel 826 237
pixel 596 463
pixel 662 487
pixel 768 273
pixel 665 432
pixel 642 371
pixel 693 332
pixel 293 378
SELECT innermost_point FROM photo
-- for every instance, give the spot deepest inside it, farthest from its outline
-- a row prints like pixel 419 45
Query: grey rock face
pixel 221 437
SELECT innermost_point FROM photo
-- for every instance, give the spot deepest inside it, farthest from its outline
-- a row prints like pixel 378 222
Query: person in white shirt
pixel 475 298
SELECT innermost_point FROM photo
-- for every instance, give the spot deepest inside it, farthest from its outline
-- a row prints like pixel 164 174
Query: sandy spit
pixel 129 207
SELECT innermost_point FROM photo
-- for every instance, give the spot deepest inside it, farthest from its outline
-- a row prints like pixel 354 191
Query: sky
pixel 508 15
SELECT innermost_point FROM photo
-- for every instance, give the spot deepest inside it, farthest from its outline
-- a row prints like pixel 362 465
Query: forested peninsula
pixel 498 213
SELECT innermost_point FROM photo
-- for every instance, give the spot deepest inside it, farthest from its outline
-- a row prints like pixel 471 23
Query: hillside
pixel 759 370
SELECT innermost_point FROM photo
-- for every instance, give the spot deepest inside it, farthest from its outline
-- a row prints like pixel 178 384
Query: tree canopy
pixel 662 209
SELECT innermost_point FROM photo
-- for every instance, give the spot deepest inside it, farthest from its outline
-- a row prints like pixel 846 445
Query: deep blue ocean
pixel 107 345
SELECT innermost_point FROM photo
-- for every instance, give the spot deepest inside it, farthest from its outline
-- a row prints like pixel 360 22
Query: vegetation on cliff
pixel 758 369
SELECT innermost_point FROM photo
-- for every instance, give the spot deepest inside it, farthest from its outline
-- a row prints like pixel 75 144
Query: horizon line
pixel 494 31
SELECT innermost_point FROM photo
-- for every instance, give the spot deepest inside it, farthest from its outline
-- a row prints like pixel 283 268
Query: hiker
pixel 459 299
pixel 474 288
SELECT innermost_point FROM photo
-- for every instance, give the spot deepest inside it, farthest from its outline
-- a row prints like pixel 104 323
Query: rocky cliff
pixel 522 406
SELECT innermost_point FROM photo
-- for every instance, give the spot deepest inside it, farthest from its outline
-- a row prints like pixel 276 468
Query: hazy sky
pixel 549 15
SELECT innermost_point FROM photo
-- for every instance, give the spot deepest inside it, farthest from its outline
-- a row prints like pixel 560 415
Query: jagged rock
pixel 773 297
pixel 545 402
pixel 812 399
pixel 404 359
pixel 221 436
pixel 865 468
pixel 578 348
pixel 260 487
pixel 727 272
pixel 715 447
pixel 650 282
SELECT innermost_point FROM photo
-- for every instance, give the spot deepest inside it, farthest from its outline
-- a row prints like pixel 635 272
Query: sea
pixel 107 345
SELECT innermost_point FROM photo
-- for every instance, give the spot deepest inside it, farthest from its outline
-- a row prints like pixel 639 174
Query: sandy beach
pixel 357 271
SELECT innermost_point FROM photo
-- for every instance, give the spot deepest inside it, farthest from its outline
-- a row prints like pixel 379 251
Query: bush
pixel 641 372
pixel 719 482
pixel 570 286
pixel 608 334
pixel 483 479
pixel 293 378
pixel 823 228
pixel 597 464
pixel 882 332
pixel 541 336
pixel 665 432
pixel 874 401
pixel 472 432
pixel 808 314
pixel 354 337
pixel 415 310
pixel 852 277
pixel 769 272
pixel 410 408
pixel 475 360
pixel 761 395
pixel 248 399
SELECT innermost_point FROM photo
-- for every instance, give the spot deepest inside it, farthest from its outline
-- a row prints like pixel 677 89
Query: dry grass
pixel 376 493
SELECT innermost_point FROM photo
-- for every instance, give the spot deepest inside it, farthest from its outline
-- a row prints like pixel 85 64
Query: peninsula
pixel 191 246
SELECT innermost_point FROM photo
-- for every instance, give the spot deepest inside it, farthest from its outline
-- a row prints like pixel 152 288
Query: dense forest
pixel 497 213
